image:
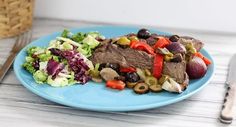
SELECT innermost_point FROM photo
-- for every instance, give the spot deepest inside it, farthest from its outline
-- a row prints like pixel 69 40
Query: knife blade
pixel 226 114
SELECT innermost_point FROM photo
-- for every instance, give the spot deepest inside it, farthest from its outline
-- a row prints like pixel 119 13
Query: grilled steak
pixel 175 70
pixel 126 57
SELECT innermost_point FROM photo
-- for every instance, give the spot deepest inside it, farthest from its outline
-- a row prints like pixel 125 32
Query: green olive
pixel 123 41
pixel 151 80
pixel 155 88
pixel 141 88
pixel 133 38
pixel 131 84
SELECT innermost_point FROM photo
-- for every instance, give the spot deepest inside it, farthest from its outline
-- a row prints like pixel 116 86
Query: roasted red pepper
pixel 206 61
pixel 142 46
pixel 115 84
pixel 157 65
pixel 127 69
pixel 161 43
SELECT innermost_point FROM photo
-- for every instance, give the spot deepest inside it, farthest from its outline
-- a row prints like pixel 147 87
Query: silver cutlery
pixel 226 115
pixel 21 41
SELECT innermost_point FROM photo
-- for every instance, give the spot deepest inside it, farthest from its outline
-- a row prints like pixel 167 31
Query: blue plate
pixel 95 96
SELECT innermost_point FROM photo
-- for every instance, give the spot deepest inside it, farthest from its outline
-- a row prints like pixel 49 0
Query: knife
pixel 226 114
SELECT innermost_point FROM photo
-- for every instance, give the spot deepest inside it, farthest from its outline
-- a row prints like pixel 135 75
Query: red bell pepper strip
pixel 127 69
pixel 142 46
pixel 158 65
pixel 206 60
pixel 115 84
pixel 161 43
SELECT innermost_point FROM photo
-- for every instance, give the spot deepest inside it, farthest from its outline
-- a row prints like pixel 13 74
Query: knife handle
pixel 226 115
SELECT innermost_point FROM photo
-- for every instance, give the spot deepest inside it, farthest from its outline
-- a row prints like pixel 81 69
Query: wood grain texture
pixel 19 107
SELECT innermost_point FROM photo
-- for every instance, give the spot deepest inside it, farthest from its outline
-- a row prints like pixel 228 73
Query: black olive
pixel 131 77
pixel 114 66
pixel 141 88
pixel 144 33
pixel 174 38
pixel 101 66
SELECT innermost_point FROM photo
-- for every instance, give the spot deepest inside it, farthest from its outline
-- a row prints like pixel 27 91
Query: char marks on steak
pixel 125 57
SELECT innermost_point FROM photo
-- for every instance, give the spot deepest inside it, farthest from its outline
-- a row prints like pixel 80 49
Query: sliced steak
pixel 125 57
pixel 196 43
pixel 175 70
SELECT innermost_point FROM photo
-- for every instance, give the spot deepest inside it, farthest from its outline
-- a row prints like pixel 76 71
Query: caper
pixel 155 88
pixel 123 41
pixel 141 88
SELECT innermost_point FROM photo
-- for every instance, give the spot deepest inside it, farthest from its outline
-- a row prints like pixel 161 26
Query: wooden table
pixel 21 108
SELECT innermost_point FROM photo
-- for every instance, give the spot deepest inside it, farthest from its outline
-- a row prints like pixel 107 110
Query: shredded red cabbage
pixel 54 67
pixel 76 63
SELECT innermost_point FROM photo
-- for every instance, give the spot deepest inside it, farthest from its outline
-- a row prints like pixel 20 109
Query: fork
pixel 21 41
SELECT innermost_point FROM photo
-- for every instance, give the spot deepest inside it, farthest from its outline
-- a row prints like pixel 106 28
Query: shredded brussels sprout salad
pixel 65 61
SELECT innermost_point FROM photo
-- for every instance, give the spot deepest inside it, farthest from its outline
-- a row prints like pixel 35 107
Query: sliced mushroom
pixel 108 74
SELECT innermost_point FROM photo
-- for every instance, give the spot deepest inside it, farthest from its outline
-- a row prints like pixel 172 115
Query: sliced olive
pixel 131 84
pixel 151 81
pixel 155 88
pixel 131 77
pixel 114 66
pixel 144 33
pixel 174 38
pixel 141 88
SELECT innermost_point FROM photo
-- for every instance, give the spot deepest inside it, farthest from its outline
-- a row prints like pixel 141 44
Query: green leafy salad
pixel 65 61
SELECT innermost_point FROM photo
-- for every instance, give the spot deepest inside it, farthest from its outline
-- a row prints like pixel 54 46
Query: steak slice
pixel 196 43
pixel 175 70
pixel 125 57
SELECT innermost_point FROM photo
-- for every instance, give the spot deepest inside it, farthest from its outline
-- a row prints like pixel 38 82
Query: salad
pixel 65 61
pixel 142 61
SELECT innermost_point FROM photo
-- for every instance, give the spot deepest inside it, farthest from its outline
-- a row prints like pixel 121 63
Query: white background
pixel 206 15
